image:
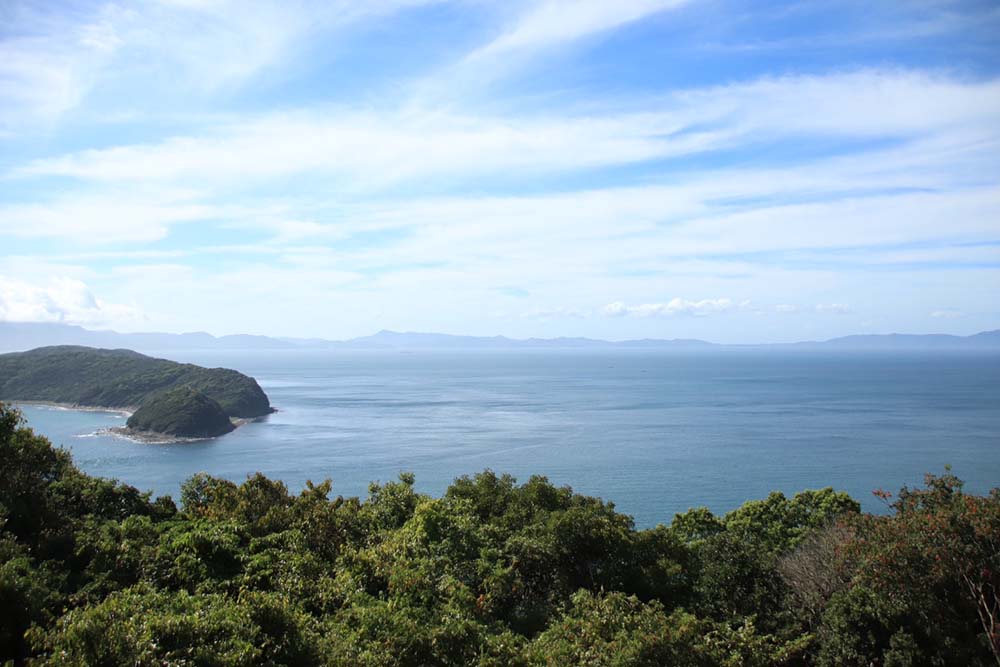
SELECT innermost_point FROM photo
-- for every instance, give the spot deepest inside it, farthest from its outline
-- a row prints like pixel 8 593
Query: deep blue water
pixel 655 433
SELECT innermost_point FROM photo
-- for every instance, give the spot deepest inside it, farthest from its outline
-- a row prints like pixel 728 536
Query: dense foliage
pixel 181 411
pixel 492 573
pixel 120 379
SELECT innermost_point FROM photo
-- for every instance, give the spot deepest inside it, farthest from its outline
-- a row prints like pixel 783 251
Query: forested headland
pixel 169 398
pixel 492 573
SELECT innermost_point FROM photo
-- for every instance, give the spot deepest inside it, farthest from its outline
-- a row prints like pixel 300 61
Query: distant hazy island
pixel 26 335
pixel 167 399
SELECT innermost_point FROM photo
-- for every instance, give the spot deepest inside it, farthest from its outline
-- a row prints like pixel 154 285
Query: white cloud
pixel 946 119
pixel 61 300
pixel 106 217
pixel 678 306
pixel 42 76
pixel 57 56
pixel 558 312
pixel 675 306
pixel 894 195
pixel 666 230
pixel 379 149
pixel 660 230
pixel 555 22
pixel 947 314
pixel 862 103
pixel 532 28
pixel 344 190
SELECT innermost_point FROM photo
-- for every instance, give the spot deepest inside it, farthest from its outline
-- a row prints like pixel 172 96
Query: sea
pixel 654 432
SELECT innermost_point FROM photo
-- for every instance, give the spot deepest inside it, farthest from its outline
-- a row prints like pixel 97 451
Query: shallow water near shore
pixel 653 432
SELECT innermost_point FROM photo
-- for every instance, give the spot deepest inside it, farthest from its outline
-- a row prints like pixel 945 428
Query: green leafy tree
pixel 145 627
pixel 614 630
pixel 493 573
pixel 925 581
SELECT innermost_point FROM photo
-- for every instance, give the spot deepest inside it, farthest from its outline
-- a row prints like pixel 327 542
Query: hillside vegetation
pixel 120 379
pixel 493 573
pixel 181 411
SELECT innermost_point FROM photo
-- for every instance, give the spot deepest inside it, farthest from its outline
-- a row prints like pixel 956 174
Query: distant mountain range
pixel 15 336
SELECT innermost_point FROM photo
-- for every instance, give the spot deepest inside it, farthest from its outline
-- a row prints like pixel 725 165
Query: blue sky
pixel 733 171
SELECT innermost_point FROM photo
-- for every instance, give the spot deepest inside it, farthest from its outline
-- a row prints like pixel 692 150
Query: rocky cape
pixel 168 400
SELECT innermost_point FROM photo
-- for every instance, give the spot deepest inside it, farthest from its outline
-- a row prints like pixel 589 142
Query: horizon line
pixel 498 337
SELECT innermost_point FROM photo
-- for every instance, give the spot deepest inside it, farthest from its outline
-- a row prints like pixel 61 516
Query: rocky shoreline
pixel 148 437
pixel 134 435
pixel 154 438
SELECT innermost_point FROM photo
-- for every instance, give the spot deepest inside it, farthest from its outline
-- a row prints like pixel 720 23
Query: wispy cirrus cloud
pixel 374 149
pixel 408 166
pixel 383 148
pixel 554 22
pixel 109 216
pixel 56 54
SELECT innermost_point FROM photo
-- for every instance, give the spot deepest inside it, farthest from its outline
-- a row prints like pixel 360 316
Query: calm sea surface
pixel 655 433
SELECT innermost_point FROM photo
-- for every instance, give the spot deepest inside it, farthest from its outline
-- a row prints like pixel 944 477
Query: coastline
pixel 132 435
pixel 126 411
pixel 155 438
pixel 150 437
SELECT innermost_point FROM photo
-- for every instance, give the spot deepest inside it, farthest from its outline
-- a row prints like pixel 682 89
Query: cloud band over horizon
pixel 615 170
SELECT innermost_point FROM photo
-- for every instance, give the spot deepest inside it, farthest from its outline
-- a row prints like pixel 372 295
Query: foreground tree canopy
pixel 93 572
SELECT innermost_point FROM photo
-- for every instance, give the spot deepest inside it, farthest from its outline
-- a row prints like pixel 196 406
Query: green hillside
pixel 120 379
pixel 181 411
